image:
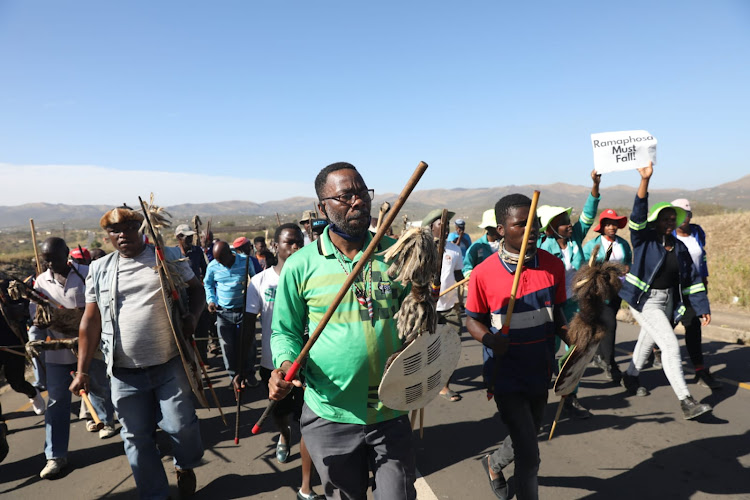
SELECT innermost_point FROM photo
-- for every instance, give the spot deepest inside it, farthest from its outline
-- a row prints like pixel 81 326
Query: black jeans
pixel 522 414
pixel 606 347
pixel 693 336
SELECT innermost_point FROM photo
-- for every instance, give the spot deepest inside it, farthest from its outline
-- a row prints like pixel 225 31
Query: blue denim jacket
pixel 103 272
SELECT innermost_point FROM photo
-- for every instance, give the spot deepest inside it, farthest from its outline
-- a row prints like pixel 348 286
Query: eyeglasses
pixel 348 198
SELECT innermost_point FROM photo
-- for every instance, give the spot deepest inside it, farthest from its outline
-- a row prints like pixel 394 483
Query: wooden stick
pixel 530 222
pixel 241 354
pixel 421 423
pixel 454 286
pixel 315 210
pixel 410 185
pixel 278 219
pixel 557 415
pixel 8 349
pixel 36 250
pixel 208 381
pixel 519 267
pixel 92 411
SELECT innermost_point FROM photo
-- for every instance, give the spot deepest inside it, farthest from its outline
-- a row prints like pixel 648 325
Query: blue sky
pixel 264 94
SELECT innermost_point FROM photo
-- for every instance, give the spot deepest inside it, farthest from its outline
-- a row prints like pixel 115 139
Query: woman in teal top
pixel 612 248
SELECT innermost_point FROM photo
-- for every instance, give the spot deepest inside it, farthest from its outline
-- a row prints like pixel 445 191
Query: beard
pixel 351 226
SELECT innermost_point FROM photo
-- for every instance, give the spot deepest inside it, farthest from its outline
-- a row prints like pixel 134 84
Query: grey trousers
pixel 656 328
pixel 344 454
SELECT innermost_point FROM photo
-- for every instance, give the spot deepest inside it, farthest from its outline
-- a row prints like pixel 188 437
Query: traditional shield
pixel 574 364
pixel 189 361
pixel 418 373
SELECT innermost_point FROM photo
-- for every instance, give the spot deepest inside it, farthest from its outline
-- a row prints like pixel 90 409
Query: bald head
pixel 54 254
pixel 223 253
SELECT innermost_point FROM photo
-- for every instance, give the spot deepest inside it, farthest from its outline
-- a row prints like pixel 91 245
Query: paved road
pixel 631 447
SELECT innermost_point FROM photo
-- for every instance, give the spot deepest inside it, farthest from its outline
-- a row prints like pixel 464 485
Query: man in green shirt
pixel 346 427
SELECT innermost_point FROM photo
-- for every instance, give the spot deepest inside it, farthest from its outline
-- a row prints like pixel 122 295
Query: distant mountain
pixel 468 203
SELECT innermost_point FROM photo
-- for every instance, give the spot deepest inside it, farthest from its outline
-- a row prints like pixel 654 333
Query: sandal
pixel 451 396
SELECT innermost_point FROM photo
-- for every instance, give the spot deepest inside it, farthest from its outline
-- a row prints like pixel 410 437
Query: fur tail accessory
pixel 593 286
pixel 414 260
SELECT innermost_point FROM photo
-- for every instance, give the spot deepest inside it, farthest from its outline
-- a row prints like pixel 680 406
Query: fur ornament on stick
pixel 592 286
pixel 414 260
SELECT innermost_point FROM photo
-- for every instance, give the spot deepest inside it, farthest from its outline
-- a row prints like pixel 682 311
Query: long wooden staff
pixel 412 182
pixel 241 354
pixel 557 416
pixel 278 219
pixel 454 286
pixel 36 249
pixel 384 207
pixel 530 222
pixel 161 259
pixel 436 281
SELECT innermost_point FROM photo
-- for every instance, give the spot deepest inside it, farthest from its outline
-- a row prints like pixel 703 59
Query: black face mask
pixel 348 237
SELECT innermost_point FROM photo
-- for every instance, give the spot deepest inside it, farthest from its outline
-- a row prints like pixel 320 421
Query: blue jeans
pixel 147 397
pixel 40 373
pixel 228 326
pixel 57 417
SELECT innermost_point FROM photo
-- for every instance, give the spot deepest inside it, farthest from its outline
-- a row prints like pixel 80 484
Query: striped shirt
pixel 346 363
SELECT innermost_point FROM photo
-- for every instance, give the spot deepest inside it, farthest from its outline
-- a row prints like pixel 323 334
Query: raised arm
pixel 646 173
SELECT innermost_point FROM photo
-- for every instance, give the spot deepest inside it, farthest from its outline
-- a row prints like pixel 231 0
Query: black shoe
pixel 186 482
pixel 311 496
pixel 692 408
pixel 574 408
pixel 616 374
pixel 657 359
pixel 633 385
pixel 499 485
pixel 704 378
pixel 4 448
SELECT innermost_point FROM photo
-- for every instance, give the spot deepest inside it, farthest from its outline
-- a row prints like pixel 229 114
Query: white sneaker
pixel 53 468
pixel 37 402
pixel 107 431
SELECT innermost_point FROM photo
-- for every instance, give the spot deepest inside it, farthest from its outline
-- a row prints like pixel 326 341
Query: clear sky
pixel 252 98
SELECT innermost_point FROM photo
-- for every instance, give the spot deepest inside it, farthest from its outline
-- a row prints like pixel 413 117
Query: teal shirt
pixel 477 252
pixel 580 228
pixel 346 364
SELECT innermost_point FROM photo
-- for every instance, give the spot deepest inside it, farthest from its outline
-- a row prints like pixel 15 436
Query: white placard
pixel 631 149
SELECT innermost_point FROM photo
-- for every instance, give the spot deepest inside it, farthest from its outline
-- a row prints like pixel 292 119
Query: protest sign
pixel 631 149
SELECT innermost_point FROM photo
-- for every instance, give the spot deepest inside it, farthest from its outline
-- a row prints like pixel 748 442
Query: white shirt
pixel 618 254
pixel 452 261
pixel 71 295
pixel 694 248
pixel 261 296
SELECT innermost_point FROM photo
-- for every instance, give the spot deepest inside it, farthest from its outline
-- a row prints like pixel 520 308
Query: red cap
pixel 611 215
pixel 239 242
pixel 76 254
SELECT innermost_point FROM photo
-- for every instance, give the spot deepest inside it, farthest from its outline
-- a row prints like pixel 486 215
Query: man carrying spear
pixel 345 426
pixel 126 313
pixel 523 349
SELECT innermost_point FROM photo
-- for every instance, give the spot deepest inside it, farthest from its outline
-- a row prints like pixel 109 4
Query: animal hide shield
pixel 417 374
pixel 574 364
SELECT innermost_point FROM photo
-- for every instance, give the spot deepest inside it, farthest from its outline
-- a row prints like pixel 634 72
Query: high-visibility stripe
pixel 633 280
pixel 681 310
pixel 586 220
pixel 697 288
pixel 637 226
